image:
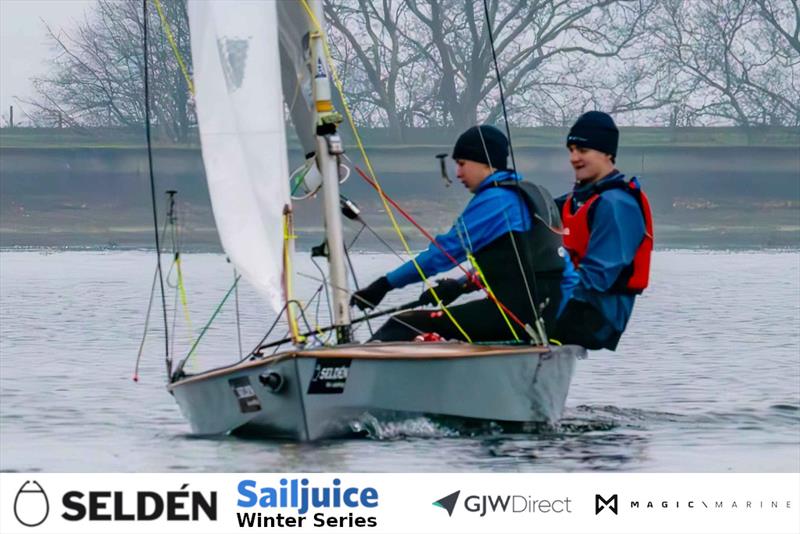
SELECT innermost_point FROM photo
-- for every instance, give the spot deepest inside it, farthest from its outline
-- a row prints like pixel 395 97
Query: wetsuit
pixel 496 221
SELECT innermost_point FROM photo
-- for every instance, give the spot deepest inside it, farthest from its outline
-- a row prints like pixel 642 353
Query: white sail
pixel 295 72
pixel 239 102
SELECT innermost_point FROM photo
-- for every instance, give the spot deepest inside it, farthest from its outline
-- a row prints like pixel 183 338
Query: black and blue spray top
pixel 492 213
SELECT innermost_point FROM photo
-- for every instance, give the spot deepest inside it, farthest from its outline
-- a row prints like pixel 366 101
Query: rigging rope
pixel 362 150
pixel 167 357
pixel 467 246
pixel 238 321
pixel 536 317
pixel 471 276
pixel 288 237
pixel 208 324
pixel 147 315
pixel 375 182
pixel 174 45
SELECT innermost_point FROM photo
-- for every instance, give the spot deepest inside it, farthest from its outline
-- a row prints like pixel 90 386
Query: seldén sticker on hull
pixel 245 394
pixel 330 376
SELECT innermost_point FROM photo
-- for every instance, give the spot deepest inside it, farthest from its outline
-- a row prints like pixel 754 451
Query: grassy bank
pixel 378 137
pixel 709 187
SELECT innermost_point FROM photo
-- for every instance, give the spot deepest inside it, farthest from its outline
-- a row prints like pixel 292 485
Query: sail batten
pixel 239 100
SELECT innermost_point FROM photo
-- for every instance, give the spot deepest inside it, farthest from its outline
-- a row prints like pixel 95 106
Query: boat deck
pixel 398 350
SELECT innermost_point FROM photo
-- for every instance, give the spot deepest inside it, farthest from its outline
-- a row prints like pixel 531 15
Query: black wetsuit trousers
pixel 480 319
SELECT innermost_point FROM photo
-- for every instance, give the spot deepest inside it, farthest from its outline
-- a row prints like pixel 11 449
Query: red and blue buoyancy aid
pixel 635 277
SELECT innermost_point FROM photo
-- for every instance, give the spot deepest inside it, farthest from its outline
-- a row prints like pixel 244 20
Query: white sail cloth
pixel 240 114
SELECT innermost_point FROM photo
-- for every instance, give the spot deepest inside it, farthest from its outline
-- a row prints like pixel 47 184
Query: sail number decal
pixel 248 401
pixel 330 376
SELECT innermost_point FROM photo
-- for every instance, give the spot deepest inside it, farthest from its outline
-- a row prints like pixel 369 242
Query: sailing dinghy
pixel 249 59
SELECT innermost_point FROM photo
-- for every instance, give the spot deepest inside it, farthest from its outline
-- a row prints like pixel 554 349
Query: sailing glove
pixel 447 289
pixel 372 295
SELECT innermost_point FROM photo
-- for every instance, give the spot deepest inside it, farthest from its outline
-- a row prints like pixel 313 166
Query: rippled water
pixel 707 378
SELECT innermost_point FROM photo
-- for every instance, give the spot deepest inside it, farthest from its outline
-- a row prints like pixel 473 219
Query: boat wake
pixel 387 427
pixel 583 419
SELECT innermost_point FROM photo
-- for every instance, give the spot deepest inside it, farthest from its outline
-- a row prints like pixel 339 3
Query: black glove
pixel 447 289
pixel 372 295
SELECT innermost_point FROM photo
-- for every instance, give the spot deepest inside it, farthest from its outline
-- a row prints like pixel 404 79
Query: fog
pixel 24 48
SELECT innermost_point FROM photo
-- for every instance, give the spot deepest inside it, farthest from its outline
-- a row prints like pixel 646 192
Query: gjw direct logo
pixel 448 503
pixel 32 505
pixel 512 504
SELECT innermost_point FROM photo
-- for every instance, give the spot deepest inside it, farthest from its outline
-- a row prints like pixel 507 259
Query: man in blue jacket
pixel 608 234
pixel 521 260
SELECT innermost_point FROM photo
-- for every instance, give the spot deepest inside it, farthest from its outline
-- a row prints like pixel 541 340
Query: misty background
pixel 707 94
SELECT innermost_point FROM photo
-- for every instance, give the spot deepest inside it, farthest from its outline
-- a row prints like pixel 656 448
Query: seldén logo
pixel 180 505
pixel 31 506
pixel 448 503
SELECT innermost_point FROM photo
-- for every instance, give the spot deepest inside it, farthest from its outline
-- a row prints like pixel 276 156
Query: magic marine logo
pixel 601 503
pixel 329 505
pixel 613 505
pixel 512 504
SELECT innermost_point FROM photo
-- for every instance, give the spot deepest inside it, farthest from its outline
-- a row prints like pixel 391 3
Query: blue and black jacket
pixel 495 226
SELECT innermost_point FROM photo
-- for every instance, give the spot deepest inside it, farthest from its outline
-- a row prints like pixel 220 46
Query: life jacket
pixel 538 251
pixel 634 277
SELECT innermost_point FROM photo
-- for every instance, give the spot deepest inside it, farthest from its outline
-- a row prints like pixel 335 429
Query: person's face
pixel 471 173
pixel 589 164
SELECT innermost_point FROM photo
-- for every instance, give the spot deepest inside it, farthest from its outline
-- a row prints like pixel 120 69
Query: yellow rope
pixel 287 224
pixel 288 235
pixel 182 291
pixel 474 262
pixel 185 306
pixel 485 283
pixel 174 45
pixel 362 150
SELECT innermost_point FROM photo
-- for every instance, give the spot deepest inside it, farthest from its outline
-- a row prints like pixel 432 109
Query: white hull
pixel 317 394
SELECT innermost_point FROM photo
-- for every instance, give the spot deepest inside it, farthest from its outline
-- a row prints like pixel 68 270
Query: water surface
pixel 707 378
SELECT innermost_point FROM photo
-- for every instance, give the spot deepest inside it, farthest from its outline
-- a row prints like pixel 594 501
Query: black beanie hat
pixel 481 141
pixel 595 129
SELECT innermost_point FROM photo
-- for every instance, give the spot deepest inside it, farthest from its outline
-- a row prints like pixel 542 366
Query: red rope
pixel 472 277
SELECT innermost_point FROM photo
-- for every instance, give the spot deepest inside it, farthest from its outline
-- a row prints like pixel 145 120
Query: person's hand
pixel 447 289
pixel 372 295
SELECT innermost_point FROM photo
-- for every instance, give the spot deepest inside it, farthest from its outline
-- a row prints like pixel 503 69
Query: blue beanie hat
pixel 595 129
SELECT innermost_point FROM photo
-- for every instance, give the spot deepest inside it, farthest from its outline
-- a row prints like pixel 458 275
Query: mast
pixel 329 148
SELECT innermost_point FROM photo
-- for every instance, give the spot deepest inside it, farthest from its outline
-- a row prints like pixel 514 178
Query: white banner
pixel 384 503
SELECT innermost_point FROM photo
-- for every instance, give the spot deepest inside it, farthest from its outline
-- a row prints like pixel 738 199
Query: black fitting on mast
pixel 171 209
pixel 344 334
pixel 349 208
pixel 443 169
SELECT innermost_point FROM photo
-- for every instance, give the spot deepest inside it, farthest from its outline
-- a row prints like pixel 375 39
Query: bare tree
pixel 530 36
pixel 97 73
pixel 784 17
pixel 737 65
pixel 385 74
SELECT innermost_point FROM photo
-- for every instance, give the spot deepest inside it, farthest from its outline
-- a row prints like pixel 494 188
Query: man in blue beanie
pixel 608 234
pixel 519 256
